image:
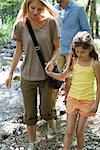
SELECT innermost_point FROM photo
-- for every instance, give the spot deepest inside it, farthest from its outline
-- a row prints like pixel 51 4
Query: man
pixel 72 19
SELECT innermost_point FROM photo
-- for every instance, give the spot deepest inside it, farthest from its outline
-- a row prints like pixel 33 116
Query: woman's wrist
pixel 53 61
pixel 10 73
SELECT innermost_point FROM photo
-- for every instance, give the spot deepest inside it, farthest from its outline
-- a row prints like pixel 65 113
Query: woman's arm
pixel 16 57
pixel 97 74
pixel 55 55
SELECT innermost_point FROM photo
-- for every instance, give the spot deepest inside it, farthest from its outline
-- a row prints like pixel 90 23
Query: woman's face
pixel 35 9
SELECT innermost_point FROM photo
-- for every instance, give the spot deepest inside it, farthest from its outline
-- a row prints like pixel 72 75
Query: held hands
pixel 8 81
pixel 48 72
pixel 49 67
pixel 94 107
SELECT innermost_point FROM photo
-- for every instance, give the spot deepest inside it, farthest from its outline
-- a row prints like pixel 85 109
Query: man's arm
pixel 83 19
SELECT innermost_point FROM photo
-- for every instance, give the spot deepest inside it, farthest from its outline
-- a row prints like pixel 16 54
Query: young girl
pixel 85 68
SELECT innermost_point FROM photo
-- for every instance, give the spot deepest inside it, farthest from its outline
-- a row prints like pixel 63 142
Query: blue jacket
pixel 73 21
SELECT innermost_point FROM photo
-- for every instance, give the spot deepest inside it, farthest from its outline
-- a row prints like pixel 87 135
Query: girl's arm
pixel 97 74
pixel 16 57
pixel 58 76
pixel 65 73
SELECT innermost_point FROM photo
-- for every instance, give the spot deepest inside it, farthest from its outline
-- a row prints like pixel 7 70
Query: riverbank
pixel 17 139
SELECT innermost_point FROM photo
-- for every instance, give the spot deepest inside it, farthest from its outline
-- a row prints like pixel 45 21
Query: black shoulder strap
pixel 37 46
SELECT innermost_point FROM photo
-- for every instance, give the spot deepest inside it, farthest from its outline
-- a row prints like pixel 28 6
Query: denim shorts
pixel 33 91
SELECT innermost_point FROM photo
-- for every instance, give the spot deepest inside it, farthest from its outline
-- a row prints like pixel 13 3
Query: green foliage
pixel 9 8
pixel 8 12
pixel 98 2
pixel 8 3
pixel 5 31
pixel 2 36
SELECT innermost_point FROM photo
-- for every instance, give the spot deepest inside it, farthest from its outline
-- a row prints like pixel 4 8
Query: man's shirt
pixel 71 20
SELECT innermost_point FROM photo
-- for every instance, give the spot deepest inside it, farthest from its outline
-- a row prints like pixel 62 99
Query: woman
pixel 41 16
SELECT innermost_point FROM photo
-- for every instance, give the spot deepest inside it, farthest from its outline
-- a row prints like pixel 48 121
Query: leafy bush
pixel 8 12
pixel 5 31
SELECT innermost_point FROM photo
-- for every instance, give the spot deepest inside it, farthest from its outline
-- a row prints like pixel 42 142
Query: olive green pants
pixel 30 96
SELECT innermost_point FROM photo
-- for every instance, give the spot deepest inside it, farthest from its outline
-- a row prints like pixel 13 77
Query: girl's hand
pixel 8 81
pixel 94 107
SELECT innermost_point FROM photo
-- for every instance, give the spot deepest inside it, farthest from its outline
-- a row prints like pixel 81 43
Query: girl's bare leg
pixel 80 131
pixel 71 120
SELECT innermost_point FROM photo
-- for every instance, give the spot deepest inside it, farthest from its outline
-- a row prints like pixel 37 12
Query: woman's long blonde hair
pixel 49 10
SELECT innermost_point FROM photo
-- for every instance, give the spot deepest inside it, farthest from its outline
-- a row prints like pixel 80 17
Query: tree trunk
pixel 92 15
pixel 87 7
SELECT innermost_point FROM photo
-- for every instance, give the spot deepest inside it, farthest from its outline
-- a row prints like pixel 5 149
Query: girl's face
pixel 35 9
pixel 81 52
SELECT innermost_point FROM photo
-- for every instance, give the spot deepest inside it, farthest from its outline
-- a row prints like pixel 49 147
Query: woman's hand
pixel 50 65
pixel 48 72
pixel 94 107
pixel 16 57
pixel 8 81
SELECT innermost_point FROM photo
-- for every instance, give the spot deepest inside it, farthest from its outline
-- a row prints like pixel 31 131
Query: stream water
pixel 11 103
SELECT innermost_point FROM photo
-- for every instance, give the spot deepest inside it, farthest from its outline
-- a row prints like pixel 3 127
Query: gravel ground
pixel 18 137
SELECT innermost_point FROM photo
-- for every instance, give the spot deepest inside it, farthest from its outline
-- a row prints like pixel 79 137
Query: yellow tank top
pixel 82 87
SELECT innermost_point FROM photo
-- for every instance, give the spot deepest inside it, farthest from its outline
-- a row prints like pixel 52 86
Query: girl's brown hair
pixel 85 40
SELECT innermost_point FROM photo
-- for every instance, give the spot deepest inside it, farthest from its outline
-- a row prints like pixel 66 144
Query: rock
pixel 16 78
pixel 98 148
pixel 21 148
pixel 89 147
pixel 5 147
